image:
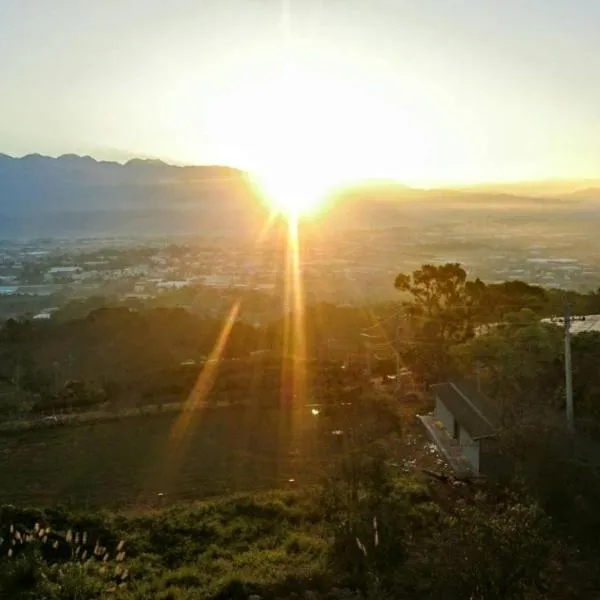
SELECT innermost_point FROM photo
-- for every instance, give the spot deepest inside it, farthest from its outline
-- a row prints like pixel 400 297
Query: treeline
pixel 126 358
pixel 198 299
pixel 113 354
pixel 130 356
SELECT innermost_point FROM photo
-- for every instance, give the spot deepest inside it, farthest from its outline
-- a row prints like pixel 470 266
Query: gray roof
pixel 471 409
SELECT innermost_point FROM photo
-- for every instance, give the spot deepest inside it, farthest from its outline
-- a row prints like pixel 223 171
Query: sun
pixel 289 191
pixel 289 161
pixel 303 131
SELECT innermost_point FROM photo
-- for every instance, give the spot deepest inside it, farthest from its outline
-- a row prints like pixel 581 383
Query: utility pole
pixel 568 370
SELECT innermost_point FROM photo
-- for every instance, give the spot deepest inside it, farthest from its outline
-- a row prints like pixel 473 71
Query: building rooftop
pixel 472 409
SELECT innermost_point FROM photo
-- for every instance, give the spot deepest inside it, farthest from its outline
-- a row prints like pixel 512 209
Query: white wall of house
pixel 443 415
pixel 470 448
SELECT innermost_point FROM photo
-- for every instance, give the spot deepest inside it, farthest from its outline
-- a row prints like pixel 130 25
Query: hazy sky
pixel 422 90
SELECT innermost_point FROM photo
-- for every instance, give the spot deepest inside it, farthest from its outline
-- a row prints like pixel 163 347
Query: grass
pixel 239 546
pixel 132 463
pixel 269 543
pixel 287 544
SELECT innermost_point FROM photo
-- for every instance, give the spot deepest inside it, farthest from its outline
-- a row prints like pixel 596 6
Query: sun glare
pixel 286 192
pixel 289 163
pixel 304 132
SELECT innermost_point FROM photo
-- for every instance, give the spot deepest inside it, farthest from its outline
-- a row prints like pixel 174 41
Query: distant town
pixel 38 277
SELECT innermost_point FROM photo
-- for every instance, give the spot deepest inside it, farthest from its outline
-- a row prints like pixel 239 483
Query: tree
pixel 434 288
pixel 487 550
pixel 512 296
pixel 32 273
pixel 519 362
pixel 441 314
pixel 585 349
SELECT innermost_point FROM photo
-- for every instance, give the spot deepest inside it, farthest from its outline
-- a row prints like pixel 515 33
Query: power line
pixel 379 323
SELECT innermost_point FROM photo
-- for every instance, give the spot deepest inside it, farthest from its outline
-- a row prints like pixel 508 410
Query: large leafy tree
pixel 446 309
pixel 441 308
pixel 585 349
pixel 519 361
pixel 499 299
pixel 434 288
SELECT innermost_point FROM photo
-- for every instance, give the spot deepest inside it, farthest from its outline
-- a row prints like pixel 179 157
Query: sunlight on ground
pixel 293 393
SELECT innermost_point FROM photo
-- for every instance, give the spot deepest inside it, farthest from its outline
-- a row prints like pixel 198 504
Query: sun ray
pixel 298 306
pixel 298 364
pixel 205 379
pixel 273 214
pixel 191 411
pixel 293 374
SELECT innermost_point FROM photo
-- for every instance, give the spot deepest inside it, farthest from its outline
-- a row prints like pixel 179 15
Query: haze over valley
pixel 362 231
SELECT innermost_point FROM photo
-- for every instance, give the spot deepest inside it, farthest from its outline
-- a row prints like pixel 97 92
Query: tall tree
pixel 441 313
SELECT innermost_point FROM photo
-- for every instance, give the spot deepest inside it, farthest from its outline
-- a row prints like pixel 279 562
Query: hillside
pixel 133 462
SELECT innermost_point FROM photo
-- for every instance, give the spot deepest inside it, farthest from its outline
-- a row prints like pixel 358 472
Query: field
pixel 369 531
pixel 163 458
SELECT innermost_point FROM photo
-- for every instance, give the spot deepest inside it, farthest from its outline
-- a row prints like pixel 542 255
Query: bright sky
pixel 425 91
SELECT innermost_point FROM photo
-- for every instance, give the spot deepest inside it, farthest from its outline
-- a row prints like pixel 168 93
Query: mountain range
pixel 79 196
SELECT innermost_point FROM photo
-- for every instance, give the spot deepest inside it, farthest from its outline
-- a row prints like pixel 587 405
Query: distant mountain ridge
pixel 73 195
pixel 21 179
pixel 80 196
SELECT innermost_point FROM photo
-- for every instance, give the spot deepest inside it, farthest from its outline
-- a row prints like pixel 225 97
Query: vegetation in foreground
pixel 365 534
pixel 371 531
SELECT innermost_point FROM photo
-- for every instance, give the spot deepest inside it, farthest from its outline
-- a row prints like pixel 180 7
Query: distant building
pixel 172 285
pixel 265 287
pixel 218 280
pixel 464 426
pixel 43 316
pixel 578 324
pixel 38 290
pixel 62 273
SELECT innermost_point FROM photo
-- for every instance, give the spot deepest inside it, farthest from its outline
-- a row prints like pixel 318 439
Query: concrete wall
pixel 491 461
pixel 470 448
pixel 445 416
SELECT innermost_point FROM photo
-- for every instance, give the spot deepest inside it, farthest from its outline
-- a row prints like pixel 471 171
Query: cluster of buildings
pixel 344 267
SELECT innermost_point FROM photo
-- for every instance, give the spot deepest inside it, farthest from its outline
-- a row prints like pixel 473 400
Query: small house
pixel 464 427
